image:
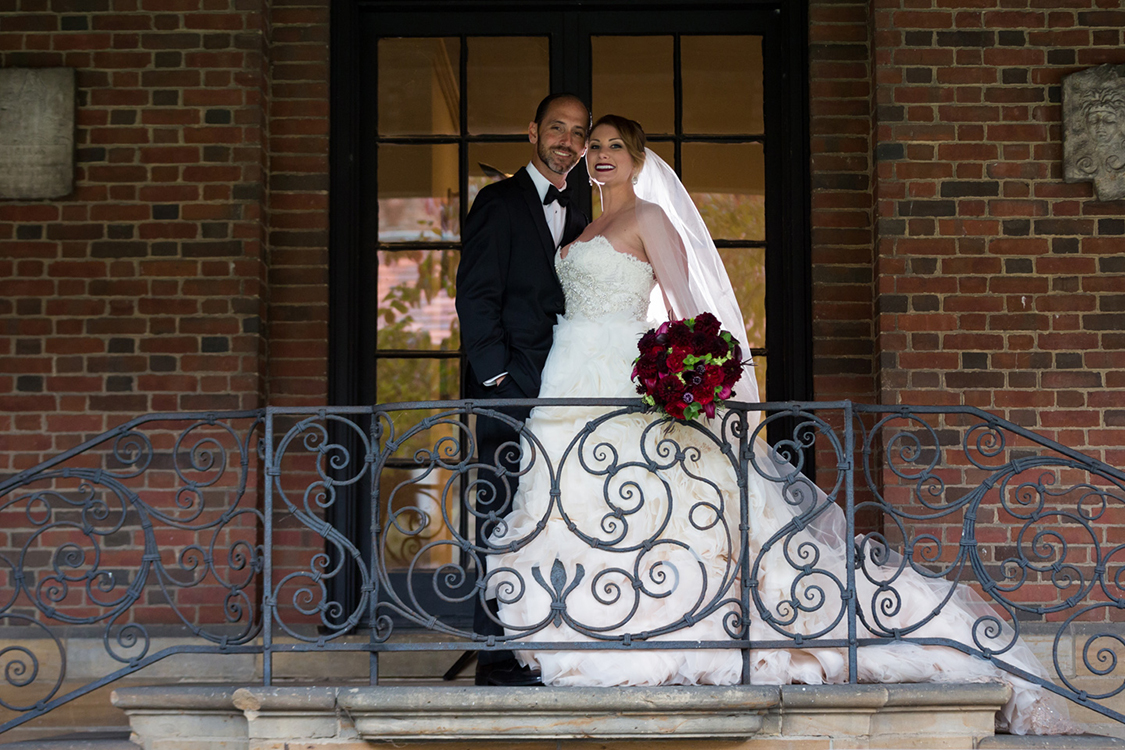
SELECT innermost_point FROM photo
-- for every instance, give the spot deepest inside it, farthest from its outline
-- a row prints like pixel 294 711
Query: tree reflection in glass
pixel 416 300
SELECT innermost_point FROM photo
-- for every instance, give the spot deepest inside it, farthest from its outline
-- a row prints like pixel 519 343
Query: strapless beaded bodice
pixel 597 280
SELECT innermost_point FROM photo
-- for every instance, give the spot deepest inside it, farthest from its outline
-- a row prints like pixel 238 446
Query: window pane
pixel 398 380
pixel 507 78
pixel 416 292
pixel 722 78
pixel 418 193
pixel 419 86
pixel 491 162
pixel 727 183
pixel 416 379
pixel 632 77
pixel 746 267
pixel 416 501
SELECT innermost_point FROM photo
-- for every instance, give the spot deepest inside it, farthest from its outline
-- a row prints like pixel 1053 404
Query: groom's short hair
pixel 541 110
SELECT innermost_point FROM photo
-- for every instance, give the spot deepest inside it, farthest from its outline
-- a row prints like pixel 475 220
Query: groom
pixel 508 297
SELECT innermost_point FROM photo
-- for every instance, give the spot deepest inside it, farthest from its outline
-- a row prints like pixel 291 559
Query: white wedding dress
pixel 643 537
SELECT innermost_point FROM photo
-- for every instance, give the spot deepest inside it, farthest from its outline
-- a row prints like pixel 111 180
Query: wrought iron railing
pixel 628 533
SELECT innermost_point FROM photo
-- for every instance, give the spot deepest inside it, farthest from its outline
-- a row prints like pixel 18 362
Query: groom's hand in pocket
pixel 507 388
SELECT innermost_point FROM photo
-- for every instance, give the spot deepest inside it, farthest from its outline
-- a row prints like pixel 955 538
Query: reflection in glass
pixel 507 78
pixel 416 300
pixel 746 267
pixel 424 508
pixel 722 79
pixel 398 380
pixel 419 86
pixel 418 193
pixel 727 181
pixel 632 77
pixel 416 379
pixel 492 162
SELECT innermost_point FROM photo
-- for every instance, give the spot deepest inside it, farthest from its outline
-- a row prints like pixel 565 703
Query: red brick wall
pixel 187 271
pixel 142 290
pixel 999 286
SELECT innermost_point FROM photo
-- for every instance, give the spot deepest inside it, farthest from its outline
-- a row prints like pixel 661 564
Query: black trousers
pixel 497 446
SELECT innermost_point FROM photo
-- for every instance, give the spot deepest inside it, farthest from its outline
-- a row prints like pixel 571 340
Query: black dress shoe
pixel 507 674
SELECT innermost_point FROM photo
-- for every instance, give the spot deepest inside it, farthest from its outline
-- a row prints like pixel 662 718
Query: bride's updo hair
pixel 632 135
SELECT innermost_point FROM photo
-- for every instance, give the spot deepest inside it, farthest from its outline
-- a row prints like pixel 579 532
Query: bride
pixel 626 529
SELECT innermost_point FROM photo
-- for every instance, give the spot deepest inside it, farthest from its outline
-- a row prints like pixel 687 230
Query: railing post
pixel 267 556
pixel 373 655
pixel 849 539
pixel 744 536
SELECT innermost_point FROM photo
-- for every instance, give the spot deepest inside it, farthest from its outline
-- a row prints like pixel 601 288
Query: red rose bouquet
pixel 687 367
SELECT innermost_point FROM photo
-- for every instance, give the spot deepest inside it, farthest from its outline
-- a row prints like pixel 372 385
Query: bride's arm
pixel 668 258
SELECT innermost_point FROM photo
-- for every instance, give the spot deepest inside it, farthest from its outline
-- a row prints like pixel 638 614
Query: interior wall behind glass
pixel 507 78
pixel 632 77
pixel 419 86
pixel 722 78
pixel 418 198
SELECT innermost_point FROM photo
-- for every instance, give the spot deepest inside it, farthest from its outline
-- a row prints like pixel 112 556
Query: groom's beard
pixel 555 162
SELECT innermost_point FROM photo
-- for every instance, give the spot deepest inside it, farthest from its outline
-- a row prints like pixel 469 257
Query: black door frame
pixel 351 333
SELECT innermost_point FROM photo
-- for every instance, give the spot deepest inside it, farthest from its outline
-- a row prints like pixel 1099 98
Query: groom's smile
pixel 558 160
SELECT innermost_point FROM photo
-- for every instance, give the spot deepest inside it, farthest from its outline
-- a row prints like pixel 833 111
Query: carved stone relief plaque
pixel 1094 130
pixel 36 132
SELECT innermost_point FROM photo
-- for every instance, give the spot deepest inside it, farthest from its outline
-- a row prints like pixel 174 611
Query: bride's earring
pixel 634 179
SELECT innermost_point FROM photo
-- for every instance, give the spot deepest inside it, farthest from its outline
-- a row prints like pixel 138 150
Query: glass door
pixel 432 104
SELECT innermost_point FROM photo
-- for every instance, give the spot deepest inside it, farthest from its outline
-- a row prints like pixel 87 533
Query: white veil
pixel 686 263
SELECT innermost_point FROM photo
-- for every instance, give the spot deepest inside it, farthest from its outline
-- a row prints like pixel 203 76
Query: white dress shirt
pixel 553 212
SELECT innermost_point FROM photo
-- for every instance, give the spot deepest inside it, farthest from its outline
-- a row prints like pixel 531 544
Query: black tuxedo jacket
pixel 508 296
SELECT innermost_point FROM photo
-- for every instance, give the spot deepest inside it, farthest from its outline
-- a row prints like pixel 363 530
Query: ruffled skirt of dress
pixel 641 536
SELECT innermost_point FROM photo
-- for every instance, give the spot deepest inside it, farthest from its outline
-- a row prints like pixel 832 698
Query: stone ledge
pixel 753 716
pixel 175 697
pixel 163 717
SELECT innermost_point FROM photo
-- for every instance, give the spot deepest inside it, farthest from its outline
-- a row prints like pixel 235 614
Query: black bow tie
pixel 554 194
